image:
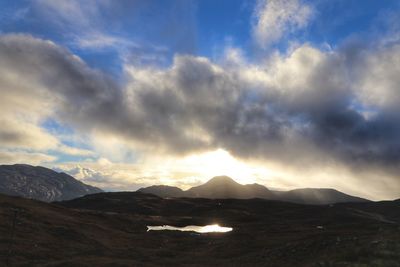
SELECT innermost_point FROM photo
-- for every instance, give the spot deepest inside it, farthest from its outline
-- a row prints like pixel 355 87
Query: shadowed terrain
pixel 109 229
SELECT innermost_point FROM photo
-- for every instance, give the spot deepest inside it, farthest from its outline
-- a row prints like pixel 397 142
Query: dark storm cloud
pixel 354 138
pixel 309 106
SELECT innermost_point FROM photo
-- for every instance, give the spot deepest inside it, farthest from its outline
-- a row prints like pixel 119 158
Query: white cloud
pixel 13 157
pixel 73 151
pixel 378 78
pixel 83 22
pixel 16 133
pixel 276 18
pixel 72 13
pixel 109 177
pixel 99 40
pixel 26 102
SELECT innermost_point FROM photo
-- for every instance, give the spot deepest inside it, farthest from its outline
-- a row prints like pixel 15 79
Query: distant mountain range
pixel 222 187
pixel 41 183
pixel 48 185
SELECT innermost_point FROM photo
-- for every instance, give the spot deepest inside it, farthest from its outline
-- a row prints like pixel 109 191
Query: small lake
pixel 212 228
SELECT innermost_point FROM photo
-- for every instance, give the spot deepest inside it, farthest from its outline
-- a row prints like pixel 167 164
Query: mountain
pixel 317 196
pixel 226 187
pixel 83 173
pixel 222 187
pixel 41 183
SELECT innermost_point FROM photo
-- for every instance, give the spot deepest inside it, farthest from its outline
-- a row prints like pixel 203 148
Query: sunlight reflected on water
pixel 212 228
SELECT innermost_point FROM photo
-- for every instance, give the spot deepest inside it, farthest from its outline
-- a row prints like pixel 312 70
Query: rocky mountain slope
pixel 41 183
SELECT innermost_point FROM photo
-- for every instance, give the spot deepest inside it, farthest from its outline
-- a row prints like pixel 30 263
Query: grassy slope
pixel 109 229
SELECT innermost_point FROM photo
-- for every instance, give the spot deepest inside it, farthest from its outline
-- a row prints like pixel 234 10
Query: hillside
pixel 317 195
pixel 109 229
pixel 163 191
pixel 41 183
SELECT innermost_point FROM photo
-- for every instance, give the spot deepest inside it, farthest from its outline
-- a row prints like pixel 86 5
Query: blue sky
pixel 140 90
pixel 202 28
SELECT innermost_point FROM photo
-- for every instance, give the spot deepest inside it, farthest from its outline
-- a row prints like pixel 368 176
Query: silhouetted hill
pixel 222 187
pixel 317 196
pixel 226 187
pixel 41 183
pixel 163 191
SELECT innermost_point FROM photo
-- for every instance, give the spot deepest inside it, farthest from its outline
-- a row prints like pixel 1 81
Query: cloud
pixel 378 77
pixel 109 177
pixel 61 148
pixel 22 134
pixel 83 22
pixel 13 157
pixel 276 18
pixel 28 96
pixel 100 41
pixel 301 99
pixel 104 26
pixel 309 109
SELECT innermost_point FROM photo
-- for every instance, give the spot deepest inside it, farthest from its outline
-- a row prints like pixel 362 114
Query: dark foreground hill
pixel 222 187
pixel 109 229
pixel 41 183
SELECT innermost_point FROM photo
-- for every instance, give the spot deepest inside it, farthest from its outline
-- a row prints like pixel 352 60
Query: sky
pixel 130 93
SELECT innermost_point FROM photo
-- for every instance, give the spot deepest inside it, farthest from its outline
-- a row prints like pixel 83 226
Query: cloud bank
pixel 308 108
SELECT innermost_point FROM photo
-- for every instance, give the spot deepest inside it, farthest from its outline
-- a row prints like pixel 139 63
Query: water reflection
pixel 212 228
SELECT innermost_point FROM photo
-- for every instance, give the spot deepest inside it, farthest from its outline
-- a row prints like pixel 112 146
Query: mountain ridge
pixel 41 183
pixel 222 187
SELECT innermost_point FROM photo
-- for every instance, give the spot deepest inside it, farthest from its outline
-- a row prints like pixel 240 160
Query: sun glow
pixel 221 162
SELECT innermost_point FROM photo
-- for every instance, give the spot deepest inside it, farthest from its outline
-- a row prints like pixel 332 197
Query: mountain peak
pixel 226 187
pixel 221 180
